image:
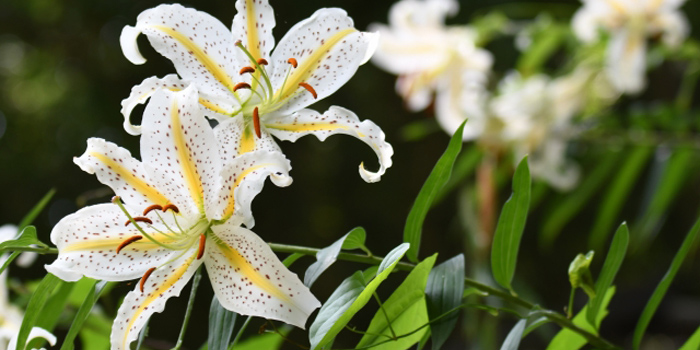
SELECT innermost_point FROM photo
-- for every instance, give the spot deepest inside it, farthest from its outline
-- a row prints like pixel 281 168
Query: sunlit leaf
pixel 693 343
pixel 567 339
pixel 355 239
pixel 616 254
pixel 351 296
pixel 511 223
pixel 512 341
pixel 52 311
pixel 436 180
pixel 267 341
pixel 405 310
pixel 464 166
pixel 97 287
pixel 663 286
pixel 35 309
pixel 221 323
pixel 444 292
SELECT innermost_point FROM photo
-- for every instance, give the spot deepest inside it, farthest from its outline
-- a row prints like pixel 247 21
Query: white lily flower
pixel 630 23
pixel 268 92
pixel 185 202
pixel 11 316
pixel 434 59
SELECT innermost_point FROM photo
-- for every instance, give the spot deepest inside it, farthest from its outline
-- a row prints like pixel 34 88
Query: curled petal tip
pixel 134 130
pixel 281 180
pixel 369 176
pixel 129 45
pixel 372 43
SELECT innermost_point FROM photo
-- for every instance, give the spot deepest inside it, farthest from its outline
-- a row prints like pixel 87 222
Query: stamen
pixel 139 219
pixel 171 207
pixel 128 241
pixel 262 62
pixel 293 62
pixel 202 241
pixel 145 277
pixel 247 70
pixel 152 207
pixel 241 86
pixel 309 89
pixel 116 199
pixel 256 122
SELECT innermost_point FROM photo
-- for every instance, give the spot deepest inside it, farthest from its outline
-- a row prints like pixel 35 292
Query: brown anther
pixel 293 62
pixel 241 86
pixel 202 241
pixel 139 219
pixel 145 277
pixel 245 70
pixel 128 241
pixel 309 89
pixel 171 207
pixel 262 62
pixel 256 122
pixel 152 207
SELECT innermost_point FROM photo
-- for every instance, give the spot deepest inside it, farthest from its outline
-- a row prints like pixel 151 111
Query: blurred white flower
pixel 432 58
pixel 629 23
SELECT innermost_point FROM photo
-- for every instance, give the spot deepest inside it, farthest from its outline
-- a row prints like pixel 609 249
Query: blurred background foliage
pixel 62 77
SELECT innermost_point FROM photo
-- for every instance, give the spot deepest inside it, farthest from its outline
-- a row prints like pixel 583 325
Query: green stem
pixel 570 309
pixel 40 250
pixel 386 316
pixel 553 316
pixel 685 92
pixel 240 332
pixel 190 306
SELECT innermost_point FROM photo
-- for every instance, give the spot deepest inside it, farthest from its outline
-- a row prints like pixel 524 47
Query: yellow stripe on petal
pixel 157 292
pixel 310 127
pixel 136 182
pixel 113 243
pixel 307 68
pixel 252 29
pixel 247 143
pixel 232 202
pixel 213 68
pixel 246 269
pixel 189 170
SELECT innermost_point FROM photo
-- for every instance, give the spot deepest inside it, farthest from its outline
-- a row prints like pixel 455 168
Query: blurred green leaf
pixel 97 287
pixel 693 343
pixel 36 306
pixel 25 239
pixel 267 341
pixel 52 311
pixel 351 296
pixel 444 292
pixel 419 129
pixel 580 273
pixel 327 256
pixel 9 260
pixel 436 180
pixel 616 195
pixel 221 323
pixel 563 211
pixel 511 223
pixel 31 216
pixel 405 310
pixel 567 339
pixel 616 254
pixel 512 341
pixel 663 286
pixel 545 42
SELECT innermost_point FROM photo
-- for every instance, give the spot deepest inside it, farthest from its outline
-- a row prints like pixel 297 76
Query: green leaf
pixel 267 341
pixel 36 307
pixel 617 193
pixel 52 310
pixel 288 261
pixel 221 323
pixel 511 223
pixel 444 292
pixel 9 260
pixel 405 311
pixel 580 273
pixel 464 166
pixel 567 339
pixel 351 296
pixel 544 44
pixel 436 181
pixel 693 343
pixel 616 254
pixel 25 239
pixel 31 216
pixel 95 291
pixel 566 209
pixel 355 239
pixel 663 286
pixel 327 256
pixel 512 341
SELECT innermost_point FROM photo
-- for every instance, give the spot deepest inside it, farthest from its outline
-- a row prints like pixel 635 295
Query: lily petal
pixel 87 241
pixel 336 120
pixel 234 139
pixel 328 50
pixel 165 282
pixel 200 47
pixel 249 278
pixel 116 168
pixel 253 26
pixel 36 332
pixel 179 150
pixel 461 95
pixel 626 60
pixel 244 177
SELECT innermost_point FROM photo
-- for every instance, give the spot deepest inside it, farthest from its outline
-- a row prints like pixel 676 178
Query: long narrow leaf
pixel 663 286
pixel 618 249
pixel 693 343
pixel 567 339
pixel 616 195
pixel 511 223
pixel 327 256
pixel 512 341
pixel 221 323
pixel 436 181
pixel 97 288
pixel 36 210
pixel 444 292
pixel 36 306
